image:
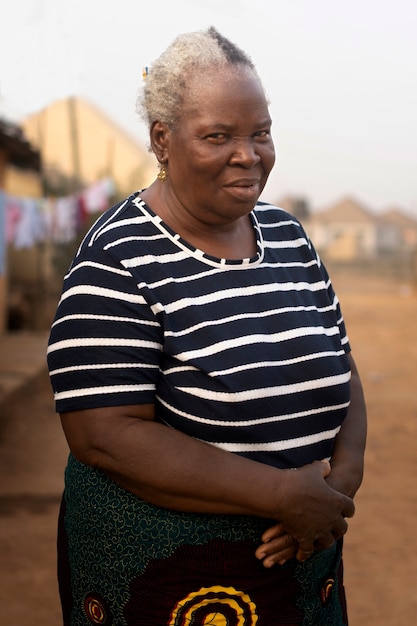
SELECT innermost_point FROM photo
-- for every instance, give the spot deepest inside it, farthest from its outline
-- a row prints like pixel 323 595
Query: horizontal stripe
pixel 245 316
pixel 261 364
pixel 266 392
pixel 104 318
pixel 249 340
pixel 97 391
pixel 100 266
pixel 140 261
pixel 93 342
pixel 250 353
pixel 101 366
pixel 278 446
pixel 265 364
pixel 251 422
pixel 130 239
pixel 227 294
pixel 282 245
pixel 103 292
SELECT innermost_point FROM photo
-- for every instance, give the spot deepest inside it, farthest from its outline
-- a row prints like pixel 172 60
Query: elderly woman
pixel 198 357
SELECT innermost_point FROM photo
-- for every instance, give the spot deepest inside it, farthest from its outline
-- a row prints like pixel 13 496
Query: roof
pixel 80 141
pixel 346 211
pixel 20 152
pixel 398 217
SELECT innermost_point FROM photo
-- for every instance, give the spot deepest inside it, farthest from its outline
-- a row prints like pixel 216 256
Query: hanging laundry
pixel 47 207
pixel 65 226
pixel 96 197
pixel 13 216
pixel 31 228
pixel 27 221
pixel 82 213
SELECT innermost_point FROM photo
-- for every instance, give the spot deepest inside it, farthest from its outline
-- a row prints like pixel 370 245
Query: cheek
pixel 207 169
pixel 269 158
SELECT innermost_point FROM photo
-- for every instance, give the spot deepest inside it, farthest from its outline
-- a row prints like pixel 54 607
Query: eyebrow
pixel 223 126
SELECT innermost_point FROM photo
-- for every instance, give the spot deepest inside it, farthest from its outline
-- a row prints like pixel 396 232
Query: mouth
pixel 244 189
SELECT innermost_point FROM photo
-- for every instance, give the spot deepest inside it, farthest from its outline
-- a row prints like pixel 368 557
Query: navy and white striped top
pixel 250 355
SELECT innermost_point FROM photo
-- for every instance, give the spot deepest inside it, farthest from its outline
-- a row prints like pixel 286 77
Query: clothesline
pixel 25 222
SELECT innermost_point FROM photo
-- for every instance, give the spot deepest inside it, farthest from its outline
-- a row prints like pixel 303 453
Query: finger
pixel 281 557
pixel 275 546
pixel 325 467
pixel 348 508
pixel 277 551
pixel 266 549
pixel 325 542
pixel 273 532
pixel 305 550
pixel 339 529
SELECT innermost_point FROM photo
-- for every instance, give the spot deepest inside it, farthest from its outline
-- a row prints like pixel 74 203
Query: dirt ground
pixel 381 544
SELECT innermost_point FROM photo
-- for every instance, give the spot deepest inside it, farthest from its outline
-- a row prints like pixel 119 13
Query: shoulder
pixel 273 218
pixel 270 213
pixel 121 220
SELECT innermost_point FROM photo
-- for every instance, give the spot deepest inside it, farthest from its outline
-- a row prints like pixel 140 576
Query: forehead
pixel 224 90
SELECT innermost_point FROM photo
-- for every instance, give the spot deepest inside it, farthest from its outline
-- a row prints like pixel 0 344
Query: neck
pixel 229 240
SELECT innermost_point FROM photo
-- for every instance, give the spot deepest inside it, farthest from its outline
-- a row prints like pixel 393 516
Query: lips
pixel 244 182
pixel 244 189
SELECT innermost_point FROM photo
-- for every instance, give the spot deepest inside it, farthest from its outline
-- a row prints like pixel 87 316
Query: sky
pixel 341 78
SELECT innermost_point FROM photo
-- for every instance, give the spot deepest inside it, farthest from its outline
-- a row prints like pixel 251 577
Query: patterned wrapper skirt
pixel 125 562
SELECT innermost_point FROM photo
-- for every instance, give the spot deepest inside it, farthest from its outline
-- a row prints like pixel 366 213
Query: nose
pixel 244 152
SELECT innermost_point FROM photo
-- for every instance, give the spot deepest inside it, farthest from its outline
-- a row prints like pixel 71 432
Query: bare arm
pixel 348 455
pixel 346 472
pixel 172 470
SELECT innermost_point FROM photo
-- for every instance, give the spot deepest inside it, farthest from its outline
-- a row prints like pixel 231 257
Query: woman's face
pixel 221 152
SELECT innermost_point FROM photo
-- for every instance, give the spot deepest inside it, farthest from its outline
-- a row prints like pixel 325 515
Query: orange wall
pixel 73 135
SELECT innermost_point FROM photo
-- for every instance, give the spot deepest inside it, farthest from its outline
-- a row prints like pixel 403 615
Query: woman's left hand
pixel 278 546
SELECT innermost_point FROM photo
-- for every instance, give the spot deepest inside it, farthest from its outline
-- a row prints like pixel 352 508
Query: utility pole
pixel 74 140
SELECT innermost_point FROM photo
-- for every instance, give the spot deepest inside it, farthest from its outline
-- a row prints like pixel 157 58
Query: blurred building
pixel 298 206
pixel 406 225
pixel 86 159
pixel 349 232
pixel 20 174
pixel 79 141
pixel 20 162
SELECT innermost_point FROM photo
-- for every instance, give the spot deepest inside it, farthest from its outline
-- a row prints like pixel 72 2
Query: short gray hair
pixel 162 94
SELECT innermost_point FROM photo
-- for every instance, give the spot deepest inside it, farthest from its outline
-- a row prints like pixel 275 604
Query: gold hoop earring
pixel 162 174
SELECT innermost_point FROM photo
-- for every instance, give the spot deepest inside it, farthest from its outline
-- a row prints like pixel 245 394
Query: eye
pixel 217 137
pixel 262 134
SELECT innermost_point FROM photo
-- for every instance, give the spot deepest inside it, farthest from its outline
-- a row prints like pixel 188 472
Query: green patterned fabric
pixel 131 563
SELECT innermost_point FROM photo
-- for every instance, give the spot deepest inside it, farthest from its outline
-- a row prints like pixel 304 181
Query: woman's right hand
pixel 277 547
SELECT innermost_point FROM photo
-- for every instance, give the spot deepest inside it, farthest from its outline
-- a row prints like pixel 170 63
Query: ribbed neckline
pixel 196 252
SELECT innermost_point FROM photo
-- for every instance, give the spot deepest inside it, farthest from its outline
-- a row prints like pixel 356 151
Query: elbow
pixel 83 445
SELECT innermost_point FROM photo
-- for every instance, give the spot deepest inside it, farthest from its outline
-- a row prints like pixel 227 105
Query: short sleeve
pixel 105 342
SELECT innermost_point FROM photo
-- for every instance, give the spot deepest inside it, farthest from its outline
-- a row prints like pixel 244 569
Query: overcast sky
pixel 341 78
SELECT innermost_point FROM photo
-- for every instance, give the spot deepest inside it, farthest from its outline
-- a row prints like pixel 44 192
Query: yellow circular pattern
pixel 94 610
pixel 227 601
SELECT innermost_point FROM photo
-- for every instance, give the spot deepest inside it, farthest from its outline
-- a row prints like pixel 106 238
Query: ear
pixel 159 137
